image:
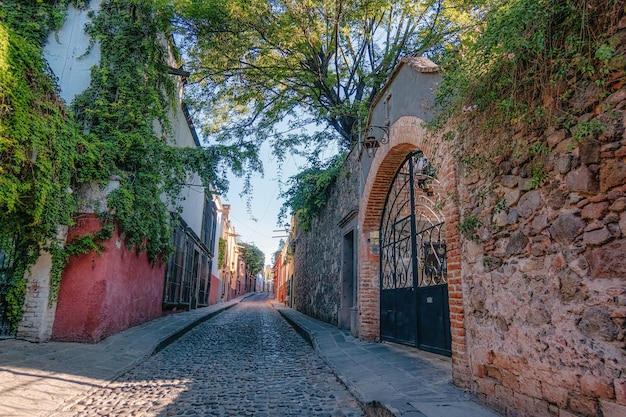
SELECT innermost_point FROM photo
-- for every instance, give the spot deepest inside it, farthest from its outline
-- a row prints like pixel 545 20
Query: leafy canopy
pixel 309 190
pixel 257 63
pixel 253 257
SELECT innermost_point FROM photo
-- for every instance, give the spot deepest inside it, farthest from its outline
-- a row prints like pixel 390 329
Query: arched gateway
pixel 414 306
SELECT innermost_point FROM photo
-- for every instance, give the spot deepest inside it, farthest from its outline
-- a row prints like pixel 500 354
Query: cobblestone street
pixel 247 361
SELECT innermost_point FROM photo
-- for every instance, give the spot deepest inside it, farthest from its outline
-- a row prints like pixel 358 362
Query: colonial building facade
pixel 101 294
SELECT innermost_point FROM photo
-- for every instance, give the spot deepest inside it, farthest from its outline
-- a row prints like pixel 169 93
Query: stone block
pixel 530 387
pixel 582 180
pixel 589 152
pixel 505 395
pixel 564 164
pixel 597 237
pixel 510 181
pixel 566 228
pixel 556 138
pixel 554 394
pixel 517 243
pixel 486 386
pixel 524 404
pixel 510 380
pixel 611 409
pixel 593 386
pixel 529 203
pixel 583 405
pixel 619 205
pixel 607 261
pixel 596 323
pixel 595 211
pixel 612 174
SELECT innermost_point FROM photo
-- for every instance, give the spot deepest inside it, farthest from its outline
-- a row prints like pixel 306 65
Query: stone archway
pixel 405 136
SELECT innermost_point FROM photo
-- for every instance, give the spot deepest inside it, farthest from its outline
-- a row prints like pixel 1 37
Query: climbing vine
pixel 221 255
pixel 37 141
pixel 530 68
pixel 49 152
pixel 309 190
pixel 522 64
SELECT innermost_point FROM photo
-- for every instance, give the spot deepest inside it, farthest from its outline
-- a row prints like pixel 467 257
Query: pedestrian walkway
pixel 38 378
pixel 388 379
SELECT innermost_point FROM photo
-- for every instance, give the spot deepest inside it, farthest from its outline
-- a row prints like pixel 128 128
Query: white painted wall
pixel 65 53
pixel 191 198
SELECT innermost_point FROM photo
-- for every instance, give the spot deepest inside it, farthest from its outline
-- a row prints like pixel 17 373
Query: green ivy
pixel 48 152
pixel 309 190
pixel 469 228
pixel 38 141
pixel 221 255
pixel 524 51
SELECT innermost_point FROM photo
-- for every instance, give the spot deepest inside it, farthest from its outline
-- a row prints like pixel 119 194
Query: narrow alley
pixel 247 361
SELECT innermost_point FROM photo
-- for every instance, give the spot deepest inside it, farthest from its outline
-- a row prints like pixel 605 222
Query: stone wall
pixel 544 274
pixel 317 256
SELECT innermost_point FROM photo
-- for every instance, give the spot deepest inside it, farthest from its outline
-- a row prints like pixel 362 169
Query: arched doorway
pixel 414 306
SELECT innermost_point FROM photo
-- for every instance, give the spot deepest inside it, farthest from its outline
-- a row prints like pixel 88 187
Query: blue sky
pixel 258 225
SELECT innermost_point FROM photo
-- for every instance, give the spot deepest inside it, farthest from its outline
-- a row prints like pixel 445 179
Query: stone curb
pixel 371 408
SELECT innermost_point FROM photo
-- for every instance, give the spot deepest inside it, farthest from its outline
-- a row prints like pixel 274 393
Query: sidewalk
pixel 388 379
pixel 37 378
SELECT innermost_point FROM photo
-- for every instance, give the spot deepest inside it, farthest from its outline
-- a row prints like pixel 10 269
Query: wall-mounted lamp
pixel 371 143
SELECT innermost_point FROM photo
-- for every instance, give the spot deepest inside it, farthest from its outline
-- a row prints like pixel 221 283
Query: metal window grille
pixel 10 268
pixel 187 279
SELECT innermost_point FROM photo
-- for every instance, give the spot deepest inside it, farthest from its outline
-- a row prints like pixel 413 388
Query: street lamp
pixel 371 143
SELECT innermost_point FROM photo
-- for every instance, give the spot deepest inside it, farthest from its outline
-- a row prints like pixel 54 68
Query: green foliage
pixel 221 254
pixel 523 51
pixel 48 154
pixel 38 141
pixel 257 63
pixel 469 228
pixel 588 129
pixel 308 191
pixel 253 257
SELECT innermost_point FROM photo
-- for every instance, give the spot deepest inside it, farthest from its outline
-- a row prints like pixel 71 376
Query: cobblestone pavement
pixel 247 361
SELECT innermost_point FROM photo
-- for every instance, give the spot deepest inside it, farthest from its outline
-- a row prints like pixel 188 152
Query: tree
pixel 256 63
pixel 253 257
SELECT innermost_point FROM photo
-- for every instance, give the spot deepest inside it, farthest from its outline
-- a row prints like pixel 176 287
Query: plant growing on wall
pixel 521 74
pixel 47 152
pixel 253 257
pixel 38 141
pixel 221 254
pixel 527 50
pixel 308 191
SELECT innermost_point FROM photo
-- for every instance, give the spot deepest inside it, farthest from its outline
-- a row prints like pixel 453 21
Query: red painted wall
pixel 214 291
pixel 104 294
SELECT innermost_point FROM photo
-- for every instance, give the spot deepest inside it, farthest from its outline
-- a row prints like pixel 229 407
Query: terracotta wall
pixel 103 294
pixel 215 290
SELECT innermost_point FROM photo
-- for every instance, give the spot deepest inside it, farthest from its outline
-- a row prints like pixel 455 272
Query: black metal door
pixel 413 286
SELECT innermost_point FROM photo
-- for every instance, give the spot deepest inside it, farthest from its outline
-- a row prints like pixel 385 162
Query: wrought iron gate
pixel 413 283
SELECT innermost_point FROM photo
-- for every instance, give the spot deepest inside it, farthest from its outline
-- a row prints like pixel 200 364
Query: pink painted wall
pixel 101 295
pixel 214 291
